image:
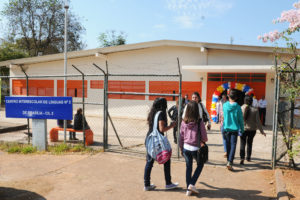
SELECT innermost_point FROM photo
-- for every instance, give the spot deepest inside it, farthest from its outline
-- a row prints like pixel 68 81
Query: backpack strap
pixel 155 122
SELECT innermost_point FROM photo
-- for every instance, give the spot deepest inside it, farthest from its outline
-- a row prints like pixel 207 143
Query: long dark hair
pixel 198 95
pixel 248 101
pixel 192 112
pixel 159 104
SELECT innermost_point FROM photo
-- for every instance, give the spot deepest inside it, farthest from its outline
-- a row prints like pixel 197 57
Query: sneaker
pixel 229 166
pixel 150 187
pixel 75 138
pixel 248 159
pixel 193 189
pixel 172 186
pixel 188 193
pixel 242 162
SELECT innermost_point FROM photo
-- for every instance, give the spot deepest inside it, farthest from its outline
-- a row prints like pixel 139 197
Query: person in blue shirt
pixel 233 124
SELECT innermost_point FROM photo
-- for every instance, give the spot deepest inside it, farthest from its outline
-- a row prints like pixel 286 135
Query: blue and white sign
pixel 39 107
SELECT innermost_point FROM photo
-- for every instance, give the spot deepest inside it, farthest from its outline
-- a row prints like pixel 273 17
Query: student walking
pixel 221 119
pixel 160 104
pixel 233 123
pixel 252 123
pixel 190 130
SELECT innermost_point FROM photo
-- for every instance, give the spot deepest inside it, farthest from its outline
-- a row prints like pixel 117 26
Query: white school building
pixel 208 68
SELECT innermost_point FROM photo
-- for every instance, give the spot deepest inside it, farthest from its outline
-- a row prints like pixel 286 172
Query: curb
pixel 282 194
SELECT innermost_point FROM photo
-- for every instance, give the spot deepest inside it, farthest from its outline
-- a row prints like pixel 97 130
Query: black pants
pixel 247 138
pixel 262 115
pixel 175 134
pixel 71 134
pixel 148 169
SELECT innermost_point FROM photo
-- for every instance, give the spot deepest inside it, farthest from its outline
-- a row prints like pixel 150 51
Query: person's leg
pixel 148 168
pixel 243 145
pixel 175 134
pixel 167 171
pixel 198 169
pixel 233 140
pixel 224 139
pixel 189 166
pixel 228 145
pixel 260 114
pixel 264 116
pixel 251 136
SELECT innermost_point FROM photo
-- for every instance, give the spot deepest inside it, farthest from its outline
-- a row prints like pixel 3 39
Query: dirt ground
pixel 118 176
pixel 292 180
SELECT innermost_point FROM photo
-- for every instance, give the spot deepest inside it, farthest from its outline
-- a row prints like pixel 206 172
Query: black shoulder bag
pixel 204 114
pixel 202 153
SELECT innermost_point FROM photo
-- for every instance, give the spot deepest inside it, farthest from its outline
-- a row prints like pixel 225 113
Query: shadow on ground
pixel 230 193
pixel 16 194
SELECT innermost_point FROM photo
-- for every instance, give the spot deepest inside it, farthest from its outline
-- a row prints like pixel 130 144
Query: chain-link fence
pixel 115 104
pixel 286 120
pixel 130 97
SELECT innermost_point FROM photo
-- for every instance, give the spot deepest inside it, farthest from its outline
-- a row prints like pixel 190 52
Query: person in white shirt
pixel 262 106
pixel 254 102
pixel 202 110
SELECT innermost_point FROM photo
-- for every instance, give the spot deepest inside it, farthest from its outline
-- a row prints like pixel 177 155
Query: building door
pixel 257 81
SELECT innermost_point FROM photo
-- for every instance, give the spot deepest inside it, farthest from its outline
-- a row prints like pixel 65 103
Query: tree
pixel 112 38
pixel 38 26
pixel 289 75
pixel 9 51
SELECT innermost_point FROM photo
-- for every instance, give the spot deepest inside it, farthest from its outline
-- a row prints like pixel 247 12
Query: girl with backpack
pixel 159 104
pixel 252 123
pixel 191 129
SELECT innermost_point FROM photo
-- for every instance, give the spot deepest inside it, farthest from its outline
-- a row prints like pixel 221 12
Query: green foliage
pixel 17 148
pixel 9 51
pixel 38 26
pixel 112 38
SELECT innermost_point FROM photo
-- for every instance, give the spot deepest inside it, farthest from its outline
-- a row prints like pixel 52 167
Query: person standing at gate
pixel 202 110
pixel 173 114
pixel 232 124
pixel 254 102
pixel 251 122
pixel 159 104
pixel 262 106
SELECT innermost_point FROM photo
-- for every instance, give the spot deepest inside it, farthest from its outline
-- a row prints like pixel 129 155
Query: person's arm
pixel 258 123
pixel 170 112
pixel 163 127
pixel 241 120
pixel 181 136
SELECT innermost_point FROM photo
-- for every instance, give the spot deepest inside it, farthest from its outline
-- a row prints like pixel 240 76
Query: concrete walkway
pixel 116 176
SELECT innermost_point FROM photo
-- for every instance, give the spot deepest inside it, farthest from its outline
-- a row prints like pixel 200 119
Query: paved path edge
pixel 282 194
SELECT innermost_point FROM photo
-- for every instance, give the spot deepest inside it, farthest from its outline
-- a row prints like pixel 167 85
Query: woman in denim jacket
pixel 189 144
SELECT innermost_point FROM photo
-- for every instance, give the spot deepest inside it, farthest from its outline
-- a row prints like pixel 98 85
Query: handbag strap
pixel 155 123
pixel 199 133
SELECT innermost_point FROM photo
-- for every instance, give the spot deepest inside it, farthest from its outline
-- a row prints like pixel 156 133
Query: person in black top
pixel 160 104
pixel 60 123
pixel 173 114
pixel 78 121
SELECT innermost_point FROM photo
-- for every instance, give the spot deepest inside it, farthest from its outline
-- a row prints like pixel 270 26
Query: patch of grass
pixel 28 149
pixel 13 147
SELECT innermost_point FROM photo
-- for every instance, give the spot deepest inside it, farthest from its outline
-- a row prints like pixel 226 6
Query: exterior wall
pixel 156 60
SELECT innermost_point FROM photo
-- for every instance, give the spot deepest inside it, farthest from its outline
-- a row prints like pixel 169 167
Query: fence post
pixel 179 107
pixel 104 106
pixel 275 116
pixel 27 94
pixel 83 107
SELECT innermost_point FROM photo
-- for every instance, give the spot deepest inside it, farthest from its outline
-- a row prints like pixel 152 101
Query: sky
pixel 214 21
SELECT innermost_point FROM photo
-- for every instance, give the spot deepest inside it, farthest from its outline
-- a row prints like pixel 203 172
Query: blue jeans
pixel 231 140
pixel 224 139
pixel 148 168
pixel 189 155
